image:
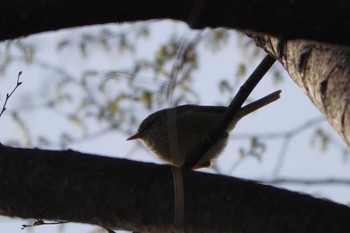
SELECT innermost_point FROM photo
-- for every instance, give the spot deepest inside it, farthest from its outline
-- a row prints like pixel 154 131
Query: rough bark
pixel 124 194
pixel 323 73
pixel 316 20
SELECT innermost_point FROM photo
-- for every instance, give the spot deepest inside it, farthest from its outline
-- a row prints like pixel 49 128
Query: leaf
pixel 242 152
pixel 224 86
pixel 78 124
pixel 27 50
pixel 321 136
pixel 62 44
pixel 113 106
pixel 146 98
pixel 241 70
pixel 82 47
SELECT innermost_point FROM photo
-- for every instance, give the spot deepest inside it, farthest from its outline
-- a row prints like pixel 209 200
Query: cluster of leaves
pixel 7 55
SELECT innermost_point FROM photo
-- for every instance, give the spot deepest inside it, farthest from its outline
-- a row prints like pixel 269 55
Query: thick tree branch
pixel 315 20
pixel 323 73
pixel 119 193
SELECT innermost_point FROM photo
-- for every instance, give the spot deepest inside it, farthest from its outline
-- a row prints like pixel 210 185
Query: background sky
pixel 298 155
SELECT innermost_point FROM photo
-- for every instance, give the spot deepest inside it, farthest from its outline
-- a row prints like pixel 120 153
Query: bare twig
pixel 282 134
pixel 281 157
pixel 285 135
pixel 40 222
pixel 109 230
pixel 304 181
pixel 8 95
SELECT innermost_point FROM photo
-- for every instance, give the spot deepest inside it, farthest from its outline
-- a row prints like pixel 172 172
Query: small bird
pixel 193 122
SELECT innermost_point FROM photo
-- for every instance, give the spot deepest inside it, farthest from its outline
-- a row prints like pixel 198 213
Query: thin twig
pixel 303 181
pixel 286 133
pixel 40 222
pixel 278 166
pixel 8 95
pixel 109 230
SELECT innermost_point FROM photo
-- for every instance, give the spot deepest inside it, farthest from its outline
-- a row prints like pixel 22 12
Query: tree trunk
pixel 323 73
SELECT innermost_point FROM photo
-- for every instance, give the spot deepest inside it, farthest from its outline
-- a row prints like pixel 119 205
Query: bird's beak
pixel 135 136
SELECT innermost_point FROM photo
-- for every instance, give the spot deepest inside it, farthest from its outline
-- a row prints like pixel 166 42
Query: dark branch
pixel 136 196
pixel 299 19
pixel 230 112
pixel 8 95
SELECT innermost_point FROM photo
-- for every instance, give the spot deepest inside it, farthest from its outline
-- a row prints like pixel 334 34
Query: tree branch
pixel 118 193
pixel 298 19
pixel 231 111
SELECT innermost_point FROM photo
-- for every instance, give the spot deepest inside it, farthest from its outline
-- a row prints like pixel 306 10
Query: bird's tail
pixel 249 108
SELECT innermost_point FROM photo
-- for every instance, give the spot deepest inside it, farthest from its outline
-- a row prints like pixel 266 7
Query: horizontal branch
pixel 314 20
pixel 305 181
pixel 119 193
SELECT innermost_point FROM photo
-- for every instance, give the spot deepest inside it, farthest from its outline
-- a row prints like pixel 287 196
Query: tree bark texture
pixel 323 73
pixel 319 20
pixel 137 196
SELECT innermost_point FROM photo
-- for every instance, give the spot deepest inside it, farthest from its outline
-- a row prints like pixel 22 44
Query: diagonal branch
pixel 230 112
